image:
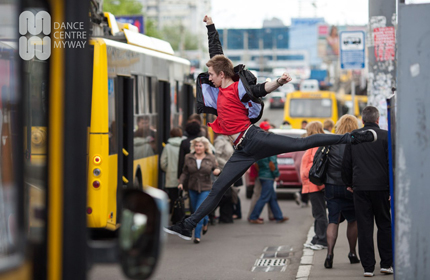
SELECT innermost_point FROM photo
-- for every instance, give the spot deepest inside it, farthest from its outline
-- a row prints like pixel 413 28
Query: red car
pixel 289 178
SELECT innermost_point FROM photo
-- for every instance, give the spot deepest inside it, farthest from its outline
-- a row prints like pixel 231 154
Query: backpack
pixel 318 171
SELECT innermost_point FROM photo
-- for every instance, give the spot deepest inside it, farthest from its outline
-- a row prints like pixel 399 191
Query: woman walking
pixel 198 166
pixel 340 201
pixel 316 193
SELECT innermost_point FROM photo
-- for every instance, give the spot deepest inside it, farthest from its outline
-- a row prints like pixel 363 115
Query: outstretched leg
pixel 262 144
pixel 233 170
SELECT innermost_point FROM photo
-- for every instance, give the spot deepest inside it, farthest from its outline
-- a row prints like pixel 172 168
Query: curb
pixel 306 262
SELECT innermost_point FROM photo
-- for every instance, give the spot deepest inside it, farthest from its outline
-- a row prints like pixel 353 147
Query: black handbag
pixel 318 171
pixel 178 212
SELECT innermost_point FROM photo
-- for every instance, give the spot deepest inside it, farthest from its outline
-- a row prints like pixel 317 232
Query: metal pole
pixel 391 175
pixel 353 97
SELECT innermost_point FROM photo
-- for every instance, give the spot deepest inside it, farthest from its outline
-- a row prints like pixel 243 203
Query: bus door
pixel 124 126
pixel 164 123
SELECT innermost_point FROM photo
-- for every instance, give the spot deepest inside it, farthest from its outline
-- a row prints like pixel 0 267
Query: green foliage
pixel 180 38
pixel 122 7
pixel 151 29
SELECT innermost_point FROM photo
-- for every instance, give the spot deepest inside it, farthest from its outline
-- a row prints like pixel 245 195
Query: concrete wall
pixel 412 171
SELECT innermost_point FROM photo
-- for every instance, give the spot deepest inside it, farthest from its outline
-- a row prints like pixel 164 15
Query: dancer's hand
pixel 350 189
pixel 208 20
pixel 181 187
pixel 216 172
pixel 285 78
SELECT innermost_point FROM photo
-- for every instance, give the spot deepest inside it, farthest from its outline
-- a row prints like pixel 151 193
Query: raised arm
pixel 261 90
pixel 272 85
pixel 214 43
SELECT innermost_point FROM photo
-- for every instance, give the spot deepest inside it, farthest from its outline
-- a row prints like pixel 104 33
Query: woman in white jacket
pixel 169 164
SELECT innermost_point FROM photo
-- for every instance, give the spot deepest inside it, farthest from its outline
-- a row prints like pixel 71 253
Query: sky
pixel 251 13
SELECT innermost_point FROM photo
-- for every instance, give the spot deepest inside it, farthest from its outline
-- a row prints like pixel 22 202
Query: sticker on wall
pixel 384 43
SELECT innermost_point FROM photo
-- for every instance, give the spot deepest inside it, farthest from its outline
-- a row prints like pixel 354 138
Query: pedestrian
pixel 231 94
pixel 253 172
pixel 223 151
pixel 198 166
pixel 192 131
pixel 365 169
pixel 339 200
pixel 328 125
pixel 169 164
pixel 268 174
pixel 304 124
pixel 316 193
pixel 257 185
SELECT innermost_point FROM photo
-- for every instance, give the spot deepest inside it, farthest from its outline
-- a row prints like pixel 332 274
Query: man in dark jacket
pixel 237 103
pixel 365 168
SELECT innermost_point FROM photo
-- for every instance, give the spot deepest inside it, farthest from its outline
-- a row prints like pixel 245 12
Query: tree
pixel 180 38
pixel 123 7
pixel 151 29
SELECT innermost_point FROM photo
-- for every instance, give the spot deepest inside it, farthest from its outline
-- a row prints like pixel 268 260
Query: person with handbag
pixel 340 201
pixel 198 166
pixel 316 193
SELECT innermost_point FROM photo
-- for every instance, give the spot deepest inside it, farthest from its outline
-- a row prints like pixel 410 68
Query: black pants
pixel 320 215
pixel 258 144
pixel 226 208
pixel 371 207
pixel 173 194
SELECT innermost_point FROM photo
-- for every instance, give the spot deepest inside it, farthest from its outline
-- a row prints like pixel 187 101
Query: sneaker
pixel 318 247
pixel 308 245
pixel 369 274
pixel 387 270
pixel 180 230
pixel 363 136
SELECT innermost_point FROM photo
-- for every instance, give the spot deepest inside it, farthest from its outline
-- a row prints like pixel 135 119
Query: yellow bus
pixel 345 102
pixel 310 106
pixel 140 91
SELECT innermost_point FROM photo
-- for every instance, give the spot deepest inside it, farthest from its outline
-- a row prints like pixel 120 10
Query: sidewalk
pixel 312 263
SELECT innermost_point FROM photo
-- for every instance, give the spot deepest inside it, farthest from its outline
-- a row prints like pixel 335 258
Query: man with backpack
pixel 233 95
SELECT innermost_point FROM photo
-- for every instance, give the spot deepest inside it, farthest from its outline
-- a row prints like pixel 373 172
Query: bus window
pixel 8 185
pixel 113 133
pixel 176 107
pixel 310 108
pixel 145 133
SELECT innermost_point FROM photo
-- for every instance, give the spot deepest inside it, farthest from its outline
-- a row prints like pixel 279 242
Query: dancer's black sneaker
pixel 180 230
pixel 363 136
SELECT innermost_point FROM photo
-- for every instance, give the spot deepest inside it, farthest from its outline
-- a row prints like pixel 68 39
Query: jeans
pixel 196 200
pixel 256 145
pixel 268 195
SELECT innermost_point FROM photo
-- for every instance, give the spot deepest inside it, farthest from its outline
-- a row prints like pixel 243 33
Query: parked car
pixel 289 179
pixel 277 99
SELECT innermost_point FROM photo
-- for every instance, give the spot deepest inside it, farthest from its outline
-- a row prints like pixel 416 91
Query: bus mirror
pixel 141 235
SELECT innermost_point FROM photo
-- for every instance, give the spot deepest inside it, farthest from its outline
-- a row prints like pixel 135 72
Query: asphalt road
pixel 230 251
